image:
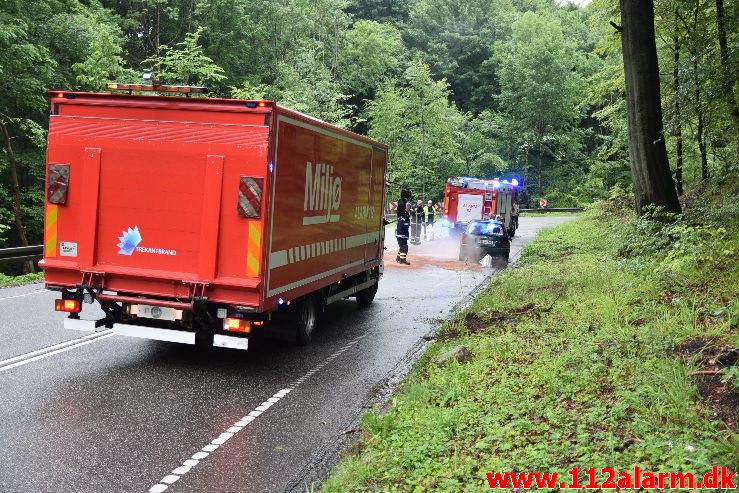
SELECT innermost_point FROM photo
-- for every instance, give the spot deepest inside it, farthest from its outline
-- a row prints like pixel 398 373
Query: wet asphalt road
pixel 119 414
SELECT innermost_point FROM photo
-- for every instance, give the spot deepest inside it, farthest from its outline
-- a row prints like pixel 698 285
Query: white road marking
pixel 52 350
pixel 170 479
pixel 27 294
pixel 239 425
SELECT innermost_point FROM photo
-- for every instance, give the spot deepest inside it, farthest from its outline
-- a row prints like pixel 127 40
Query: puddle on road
pixel 442 252
pixel 418 262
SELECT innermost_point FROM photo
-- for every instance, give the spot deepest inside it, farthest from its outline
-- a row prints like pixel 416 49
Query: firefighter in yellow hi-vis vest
pixel 428 221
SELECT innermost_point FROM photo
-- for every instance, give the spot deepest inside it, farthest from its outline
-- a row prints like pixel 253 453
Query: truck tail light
pixel 57 183
pixel 69 306
pixel 250 197
pixel 236 325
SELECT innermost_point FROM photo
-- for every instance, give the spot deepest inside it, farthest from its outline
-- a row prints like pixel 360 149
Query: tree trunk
pixel 27 266
pixel 678 119
pixel 702 148
pixel 156 41
pixel 700 131
pixel 650 167
pixel 727 80
pixel 541 158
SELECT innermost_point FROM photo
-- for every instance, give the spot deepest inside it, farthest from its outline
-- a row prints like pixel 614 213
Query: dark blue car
pixel 482 238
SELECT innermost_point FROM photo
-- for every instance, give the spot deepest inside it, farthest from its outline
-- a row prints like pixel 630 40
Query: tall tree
pixel 414 116
pixel 650 167
pixel 455 38
pixel 540 91
pixel 27 266
pixel 185 63
pixel 728 82
pixel 678 130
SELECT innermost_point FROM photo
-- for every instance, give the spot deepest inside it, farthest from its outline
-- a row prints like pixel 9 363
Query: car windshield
pixel 485 228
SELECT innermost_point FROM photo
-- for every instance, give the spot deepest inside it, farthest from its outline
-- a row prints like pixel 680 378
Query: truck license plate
pixel 156 312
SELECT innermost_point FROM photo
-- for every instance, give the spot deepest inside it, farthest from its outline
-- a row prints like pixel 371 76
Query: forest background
pixel 532 89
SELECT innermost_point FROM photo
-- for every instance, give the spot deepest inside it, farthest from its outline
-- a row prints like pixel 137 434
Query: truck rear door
pixel 469 207
pixel 153 187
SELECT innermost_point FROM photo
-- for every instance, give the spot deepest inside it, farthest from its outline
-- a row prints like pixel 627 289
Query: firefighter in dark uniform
pixel 416 223
pixel 401 234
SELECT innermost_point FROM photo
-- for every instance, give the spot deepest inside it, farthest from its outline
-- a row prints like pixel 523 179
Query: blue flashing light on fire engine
pixel 514 182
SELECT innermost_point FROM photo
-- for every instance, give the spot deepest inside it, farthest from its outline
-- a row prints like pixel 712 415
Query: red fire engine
pixel 472 199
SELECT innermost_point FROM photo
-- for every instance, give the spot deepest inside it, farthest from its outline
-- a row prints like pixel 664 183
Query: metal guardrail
pixel 20 254
pixel 554 209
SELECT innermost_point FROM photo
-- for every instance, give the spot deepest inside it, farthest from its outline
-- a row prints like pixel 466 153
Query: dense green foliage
pixel 525 88
pixel 592 375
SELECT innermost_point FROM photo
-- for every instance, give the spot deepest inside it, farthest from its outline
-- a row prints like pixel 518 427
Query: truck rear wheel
pixel 307 319
pixel 366 296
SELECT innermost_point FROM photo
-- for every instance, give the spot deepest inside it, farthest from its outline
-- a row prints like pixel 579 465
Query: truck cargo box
pixel 175 201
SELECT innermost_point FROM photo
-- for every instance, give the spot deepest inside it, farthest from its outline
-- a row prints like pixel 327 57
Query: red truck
pixel 472 199
pixel 199 219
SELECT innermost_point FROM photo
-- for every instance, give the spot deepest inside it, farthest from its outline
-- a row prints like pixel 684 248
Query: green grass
pixel 587 378
pixel 22 279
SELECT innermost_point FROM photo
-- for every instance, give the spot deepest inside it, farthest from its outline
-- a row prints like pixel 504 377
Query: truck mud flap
pixel 153 333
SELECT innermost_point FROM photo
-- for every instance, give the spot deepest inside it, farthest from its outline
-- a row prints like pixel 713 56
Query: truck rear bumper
pixel 84 325
pixel 181 336
pixel 156 334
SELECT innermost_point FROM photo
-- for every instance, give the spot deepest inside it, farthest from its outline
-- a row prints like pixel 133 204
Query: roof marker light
pixel 280 301
pixel 116 86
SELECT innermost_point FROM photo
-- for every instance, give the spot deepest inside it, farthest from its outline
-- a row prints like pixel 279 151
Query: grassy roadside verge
pixel 6 281
pixel 583 356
